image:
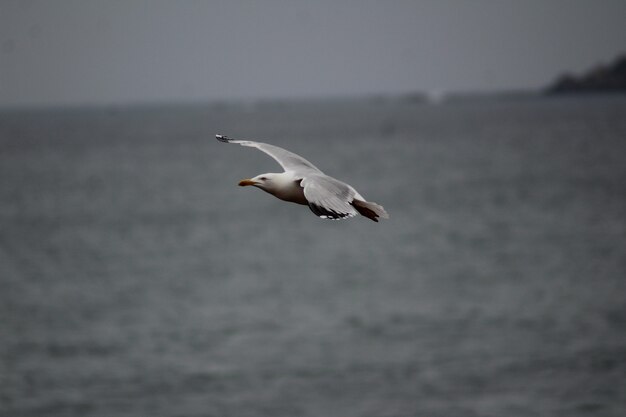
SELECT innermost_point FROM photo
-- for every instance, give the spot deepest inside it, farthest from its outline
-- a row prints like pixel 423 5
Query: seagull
pixel 303 183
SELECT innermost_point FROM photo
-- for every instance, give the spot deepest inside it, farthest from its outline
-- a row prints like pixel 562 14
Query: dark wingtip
pixel 222 138
pixel 365 211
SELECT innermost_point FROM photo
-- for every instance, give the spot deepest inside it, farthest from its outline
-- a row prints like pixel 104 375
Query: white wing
pixel 328 197
pixel 288 160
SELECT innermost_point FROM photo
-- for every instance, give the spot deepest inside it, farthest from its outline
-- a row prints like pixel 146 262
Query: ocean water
pixel 137 279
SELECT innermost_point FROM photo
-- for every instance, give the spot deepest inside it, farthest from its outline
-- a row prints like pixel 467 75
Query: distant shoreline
pixel 417 98
pixel 609 78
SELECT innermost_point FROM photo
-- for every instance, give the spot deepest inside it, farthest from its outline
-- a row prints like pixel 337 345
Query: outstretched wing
pixel 329 198
pixel 288 160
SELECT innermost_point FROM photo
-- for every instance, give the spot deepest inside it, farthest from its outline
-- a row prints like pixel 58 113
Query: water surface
pixel 137 279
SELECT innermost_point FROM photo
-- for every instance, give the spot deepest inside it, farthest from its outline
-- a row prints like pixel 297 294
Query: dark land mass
pixel 602 78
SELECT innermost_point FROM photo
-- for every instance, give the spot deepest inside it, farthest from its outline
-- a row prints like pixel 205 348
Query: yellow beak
pixel 245 182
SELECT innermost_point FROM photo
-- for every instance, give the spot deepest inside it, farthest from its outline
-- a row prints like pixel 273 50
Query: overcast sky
pixel 88 51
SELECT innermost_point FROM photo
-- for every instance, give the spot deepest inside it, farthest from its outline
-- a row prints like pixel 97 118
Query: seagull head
pixel 263 181
pixel 284 185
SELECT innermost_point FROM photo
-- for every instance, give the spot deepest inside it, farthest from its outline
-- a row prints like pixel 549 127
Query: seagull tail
pixel 370 210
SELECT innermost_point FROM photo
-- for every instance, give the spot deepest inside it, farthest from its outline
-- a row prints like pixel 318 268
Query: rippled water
pixel 137 279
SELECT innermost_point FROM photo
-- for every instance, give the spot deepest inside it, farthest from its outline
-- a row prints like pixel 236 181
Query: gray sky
pixel 89 51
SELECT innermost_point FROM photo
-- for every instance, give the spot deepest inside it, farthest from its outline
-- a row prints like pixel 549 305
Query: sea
pixel 138 280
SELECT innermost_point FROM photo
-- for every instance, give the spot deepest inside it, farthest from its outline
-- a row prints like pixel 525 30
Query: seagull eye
pixel 263 178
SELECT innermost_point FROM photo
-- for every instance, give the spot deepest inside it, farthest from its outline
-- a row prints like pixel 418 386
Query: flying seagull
pixel 303 183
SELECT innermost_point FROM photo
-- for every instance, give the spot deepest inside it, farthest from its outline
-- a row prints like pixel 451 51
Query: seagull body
pixel 304 183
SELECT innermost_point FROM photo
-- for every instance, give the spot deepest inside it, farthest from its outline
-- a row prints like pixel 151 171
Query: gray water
pixel 137 279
